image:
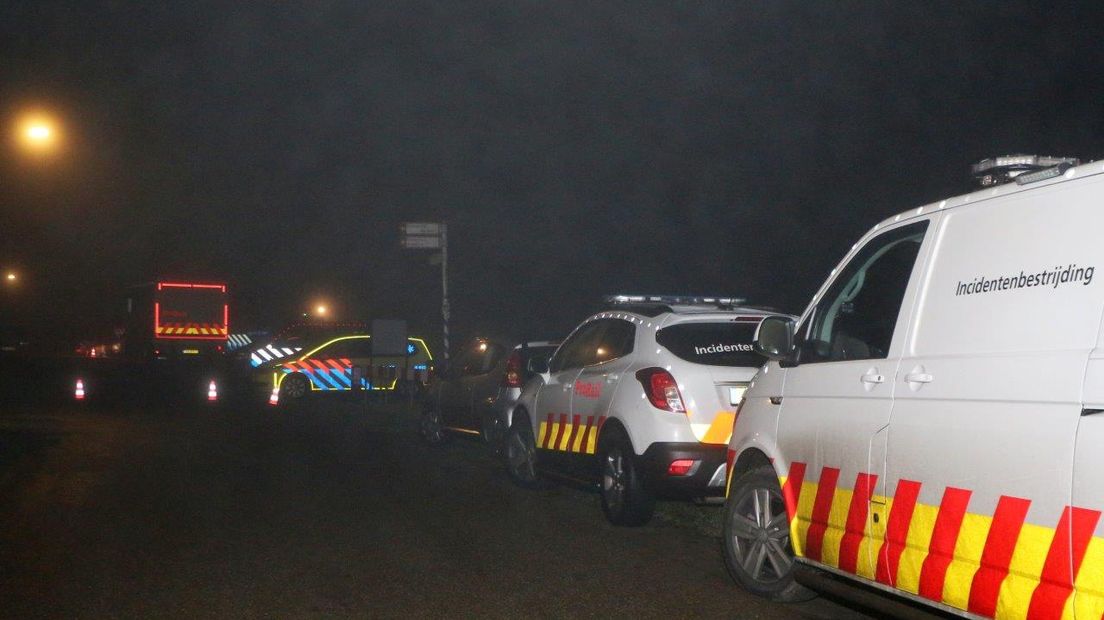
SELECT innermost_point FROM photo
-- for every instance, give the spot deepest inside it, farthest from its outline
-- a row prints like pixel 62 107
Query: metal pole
pixel 444 293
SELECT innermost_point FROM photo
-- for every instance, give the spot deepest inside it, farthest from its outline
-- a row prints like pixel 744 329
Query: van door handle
pixel 871 378
pixel 918 377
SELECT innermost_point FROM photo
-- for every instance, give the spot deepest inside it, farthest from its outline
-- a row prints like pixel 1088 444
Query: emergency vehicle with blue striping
pixel 931 426
pixel 345 363
pixel 639 399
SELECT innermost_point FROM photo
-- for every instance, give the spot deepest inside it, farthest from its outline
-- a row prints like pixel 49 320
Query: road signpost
pixel 432 236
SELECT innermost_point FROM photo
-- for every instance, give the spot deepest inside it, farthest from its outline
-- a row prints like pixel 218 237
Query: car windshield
pixel 712 343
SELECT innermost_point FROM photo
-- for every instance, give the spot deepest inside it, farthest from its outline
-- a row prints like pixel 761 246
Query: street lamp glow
pixel 321 310
pixel 38 132
pixel 11 277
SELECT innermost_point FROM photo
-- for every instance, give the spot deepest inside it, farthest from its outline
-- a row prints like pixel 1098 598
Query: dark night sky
pixel 574 148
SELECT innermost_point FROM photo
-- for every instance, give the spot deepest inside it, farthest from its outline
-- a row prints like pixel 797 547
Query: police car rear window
pixel 715 344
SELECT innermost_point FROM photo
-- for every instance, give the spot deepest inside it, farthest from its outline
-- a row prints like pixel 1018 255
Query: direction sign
pixel 421 228
pixel 421 242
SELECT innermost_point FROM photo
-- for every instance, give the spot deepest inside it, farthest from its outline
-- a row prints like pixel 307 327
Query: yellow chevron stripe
pixel 1089 600
pixel 966 560
pixel 565 437
pixel 543 433
pixel 1024 571
pixel 720 431
pixel 592 439
pixel 577 447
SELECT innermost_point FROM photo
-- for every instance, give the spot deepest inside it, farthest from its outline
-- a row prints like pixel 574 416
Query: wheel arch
pixel 517 409
pixel 614 427
pixel 749 459
pixel 750 456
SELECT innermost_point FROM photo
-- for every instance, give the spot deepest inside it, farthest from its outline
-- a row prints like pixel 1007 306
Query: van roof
pixel 1006 189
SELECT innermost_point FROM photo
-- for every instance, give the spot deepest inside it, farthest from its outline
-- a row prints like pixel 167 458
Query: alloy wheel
pixel 613 479
pixel 519 454
pixel 760 534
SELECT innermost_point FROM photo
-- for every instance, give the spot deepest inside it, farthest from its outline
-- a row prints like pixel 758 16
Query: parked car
pixel 482 385
pixel 931 425
pixel 639 399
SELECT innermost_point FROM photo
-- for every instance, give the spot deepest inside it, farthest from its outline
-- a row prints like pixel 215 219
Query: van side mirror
pixel 538 365
pixel 775 338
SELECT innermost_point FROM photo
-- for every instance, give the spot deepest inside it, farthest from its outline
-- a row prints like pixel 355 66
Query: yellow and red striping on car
pixel 570 433
pixel 995 565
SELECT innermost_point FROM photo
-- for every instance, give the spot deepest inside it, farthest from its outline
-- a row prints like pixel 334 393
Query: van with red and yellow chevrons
pixel 932 424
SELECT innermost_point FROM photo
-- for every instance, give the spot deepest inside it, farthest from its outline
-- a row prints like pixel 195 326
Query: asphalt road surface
pixel 330 509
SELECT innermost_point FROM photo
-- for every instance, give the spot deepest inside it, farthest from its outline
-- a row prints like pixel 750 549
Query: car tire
pixel 757 548
pixel 519 452
pixel 432 426
pixel 492 429
pixel 294 387
pixel 626 499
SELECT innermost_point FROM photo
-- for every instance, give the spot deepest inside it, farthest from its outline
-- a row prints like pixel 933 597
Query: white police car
pixel 641 399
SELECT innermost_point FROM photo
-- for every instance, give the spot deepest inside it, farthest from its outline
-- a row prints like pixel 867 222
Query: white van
pixel 933 424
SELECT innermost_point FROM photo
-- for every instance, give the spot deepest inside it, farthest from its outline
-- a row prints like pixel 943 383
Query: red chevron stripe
pixel 856 521
pixel 1008 519
pixel 941 548
pixel 560 431
pixel 574 432
pixel 791 491
pixel 1075 529
pixel 548 433
pixel 900 517
pixel 586 433
pixel 822 506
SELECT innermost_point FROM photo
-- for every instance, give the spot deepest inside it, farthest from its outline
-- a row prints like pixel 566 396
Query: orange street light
pixel 38 133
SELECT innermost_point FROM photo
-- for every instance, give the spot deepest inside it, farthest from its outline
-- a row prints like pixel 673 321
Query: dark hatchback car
pixel 472 396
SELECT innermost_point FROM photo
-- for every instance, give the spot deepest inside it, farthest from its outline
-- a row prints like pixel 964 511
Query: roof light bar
pixel 1044 174
pixel 1004 169
pixel 682 300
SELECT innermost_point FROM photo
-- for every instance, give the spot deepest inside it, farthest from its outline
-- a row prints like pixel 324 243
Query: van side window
pixel 855 318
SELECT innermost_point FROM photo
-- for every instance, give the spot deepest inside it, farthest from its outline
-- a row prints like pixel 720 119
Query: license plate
pixel 736 394
pixel 191 351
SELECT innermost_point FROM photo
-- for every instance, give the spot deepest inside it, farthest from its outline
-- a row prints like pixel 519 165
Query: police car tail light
pixel 661 389
pixel 513 371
